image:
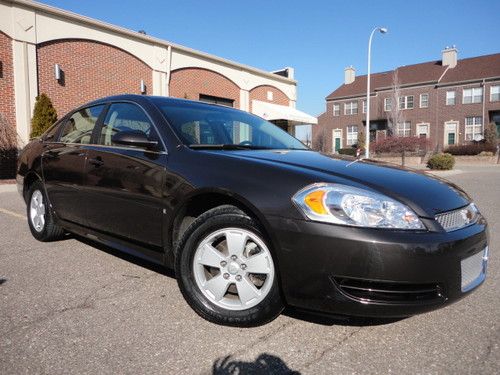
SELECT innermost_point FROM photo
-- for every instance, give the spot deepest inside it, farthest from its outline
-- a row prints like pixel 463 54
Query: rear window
pixel 79 127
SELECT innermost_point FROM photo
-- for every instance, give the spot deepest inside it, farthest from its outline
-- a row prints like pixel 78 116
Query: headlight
pixel 347 205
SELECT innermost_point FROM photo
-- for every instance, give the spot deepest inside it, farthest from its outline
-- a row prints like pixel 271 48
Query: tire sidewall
pixel 42 235
pixel 263 312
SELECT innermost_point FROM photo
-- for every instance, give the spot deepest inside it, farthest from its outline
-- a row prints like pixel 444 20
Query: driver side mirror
pixel 134 138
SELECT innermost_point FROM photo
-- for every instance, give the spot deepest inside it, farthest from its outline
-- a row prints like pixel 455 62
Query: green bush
pixel 472 148
pixel 44 116
pixel 441 162
pixel 348 151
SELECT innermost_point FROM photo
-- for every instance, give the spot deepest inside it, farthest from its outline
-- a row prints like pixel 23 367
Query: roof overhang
pixel 271 111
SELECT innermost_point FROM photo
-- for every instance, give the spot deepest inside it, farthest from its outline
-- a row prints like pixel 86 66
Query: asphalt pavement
pixel 77 307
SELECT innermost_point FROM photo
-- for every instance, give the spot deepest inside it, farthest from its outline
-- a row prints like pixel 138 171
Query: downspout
pixel 436 109
pixel 484 104
pixel 169 69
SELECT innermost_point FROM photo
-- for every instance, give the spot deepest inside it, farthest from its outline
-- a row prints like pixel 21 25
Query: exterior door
pixel 63 164
pixel 337 140
pixel 450 133
pixel 124 185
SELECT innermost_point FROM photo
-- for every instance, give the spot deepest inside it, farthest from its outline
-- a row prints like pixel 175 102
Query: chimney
pixel 450 56
pixel 349 75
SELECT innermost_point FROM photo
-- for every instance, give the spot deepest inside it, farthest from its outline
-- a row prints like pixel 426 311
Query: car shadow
pixel 264 364
pixel 304 315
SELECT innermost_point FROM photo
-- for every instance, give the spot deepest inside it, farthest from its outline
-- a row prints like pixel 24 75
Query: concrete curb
pixel 8 188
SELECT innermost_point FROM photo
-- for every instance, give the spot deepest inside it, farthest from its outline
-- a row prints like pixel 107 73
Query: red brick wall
pixel 7 104
pixel 436 114
pixel 260 93
pixel 189 83
pixel 91 70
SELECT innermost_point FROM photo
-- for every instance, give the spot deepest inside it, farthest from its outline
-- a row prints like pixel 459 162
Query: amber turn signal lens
pixel 314 201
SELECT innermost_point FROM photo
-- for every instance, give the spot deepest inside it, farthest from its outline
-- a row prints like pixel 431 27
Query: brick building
pixel 448 101
pixel 75 59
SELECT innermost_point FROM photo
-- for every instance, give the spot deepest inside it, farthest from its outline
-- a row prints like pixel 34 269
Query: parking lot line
pixel 12 213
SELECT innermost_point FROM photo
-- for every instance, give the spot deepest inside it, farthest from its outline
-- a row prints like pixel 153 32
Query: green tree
pixel 44 116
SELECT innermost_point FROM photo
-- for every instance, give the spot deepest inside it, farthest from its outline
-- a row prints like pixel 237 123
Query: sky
pixel 317 38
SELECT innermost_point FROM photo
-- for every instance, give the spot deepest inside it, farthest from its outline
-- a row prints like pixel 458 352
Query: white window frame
pixel 336 109
pixel 448 97
pixel 403 102
pixel 351 108
pixel 426 101
pixel 387 104
pixel 473 94
pixel 474 130
pixel 364 106
pixel 405 131
pixel 428 129
pixel 352 136
pixel 497 93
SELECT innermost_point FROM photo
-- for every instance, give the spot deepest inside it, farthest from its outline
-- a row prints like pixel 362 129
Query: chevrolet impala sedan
pixel 251 219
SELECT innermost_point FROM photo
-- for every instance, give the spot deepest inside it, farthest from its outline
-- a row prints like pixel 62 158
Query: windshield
pixel 199 125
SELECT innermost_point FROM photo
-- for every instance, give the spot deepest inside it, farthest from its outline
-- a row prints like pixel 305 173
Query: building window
pixel 364 106
pixel 424 100
pixel 352 135
pixel 423 130
pixel 388 104
pixel 494 93
pixel 474 95
pixel 336 109
pixel 216 100
pixel 351 108
pixel 406 102
pixel 404 129
pixel 450 97
pixel 473 128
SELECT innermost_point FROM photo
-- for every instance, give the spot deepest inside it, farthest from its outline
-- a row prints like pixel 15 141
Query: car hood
pixel 425 194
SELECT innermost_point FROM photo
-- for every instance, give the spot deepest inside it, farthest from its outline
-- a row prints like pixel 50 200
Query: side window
pixel 124 117
pixel 78 128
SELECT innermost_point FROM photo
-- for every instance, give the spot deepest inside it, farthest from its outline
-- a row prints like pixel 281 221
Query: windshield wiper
pixel 226 146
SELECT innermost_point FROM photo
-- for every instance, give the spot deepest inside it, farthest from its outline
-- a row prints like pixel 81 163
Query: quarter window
pixel 79 127
pixel 494 93
pixel 351 108
pixel 336 109
pixel 404 129
pixel 352 135
pixel 450 97
pixel 473 128
pixel 124 117
pixel 406 102
pixel 424 100
pixel 474 95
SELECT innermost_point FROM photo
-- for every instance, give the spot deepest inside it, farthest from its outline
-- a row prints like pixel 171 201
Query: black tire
pixel 50 231
pixel 216 219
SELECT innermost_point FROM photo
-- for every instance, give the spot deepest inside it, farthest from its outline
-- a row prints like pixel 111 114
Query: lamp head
pixel 383 30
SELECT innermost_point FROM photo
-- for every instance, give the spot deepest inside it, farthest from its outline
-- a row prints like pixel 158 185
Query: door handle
pixel 96 162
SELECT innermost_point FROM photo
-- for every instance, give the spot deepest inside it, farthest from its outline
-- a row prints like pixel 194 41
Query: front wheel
pixel 226 270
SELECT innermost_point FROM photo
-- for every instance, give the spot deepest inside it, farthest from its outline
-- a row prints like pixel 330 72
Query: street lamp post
pixel 382 30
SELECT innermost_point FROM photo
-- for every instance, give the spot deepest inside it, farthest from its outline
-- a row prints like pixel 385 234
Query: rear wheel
pixel 226 271
pixel 40 218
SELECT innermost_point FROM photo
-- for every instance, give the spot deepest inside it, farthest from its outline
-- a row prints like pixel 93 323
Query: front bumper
pixel 373 272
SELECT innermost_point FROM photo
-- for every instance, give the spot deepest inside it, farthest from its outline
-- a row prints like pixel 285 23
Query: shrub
pixel 473 148
pixel 348 151
pixel 490 134
pixel 398 145
pixel 8 149
pixel 44 116
pixel 441 162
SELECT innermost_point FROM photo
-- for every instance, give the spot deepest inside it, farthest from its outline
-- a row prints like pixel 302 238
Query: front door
pixel 63 164
pixel 124 184
pixel 337 140
pixel 450 133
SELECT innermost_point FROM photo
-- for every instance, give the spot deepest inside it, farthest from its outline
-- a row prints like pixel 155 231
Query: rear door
pixel 63 163
pixel 124 185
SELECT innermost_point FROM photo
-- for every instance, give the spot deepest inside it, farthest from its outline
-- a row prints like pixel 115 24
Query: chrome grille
pixel 474 270
pixel 457 219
